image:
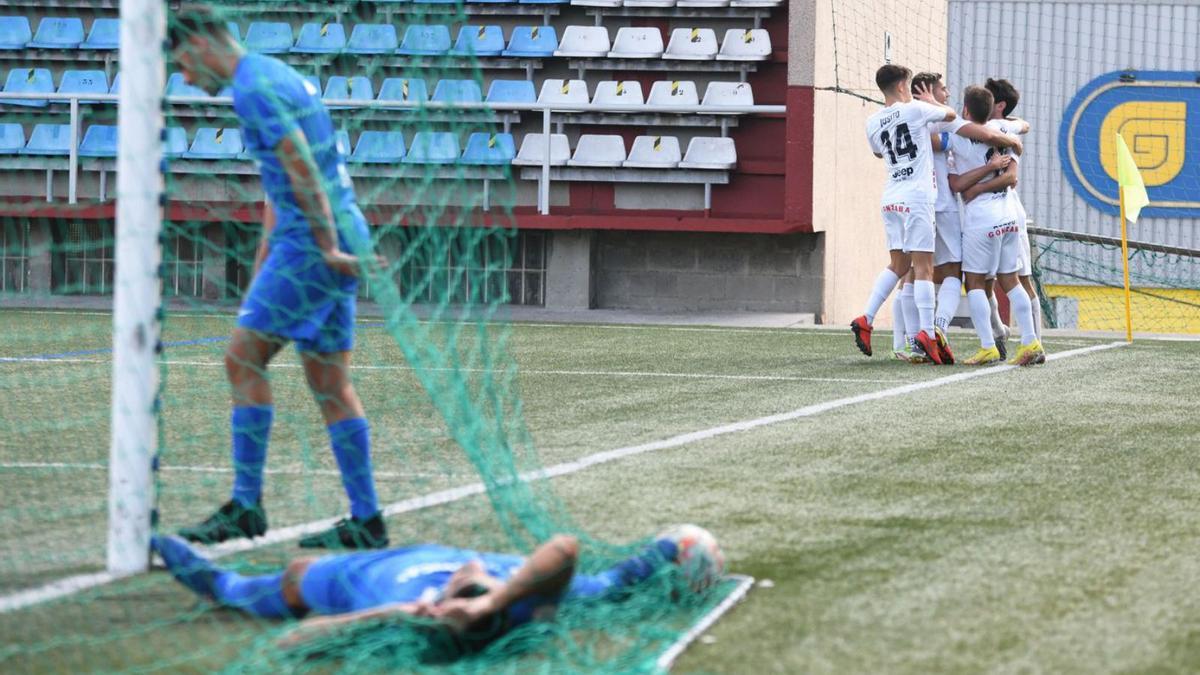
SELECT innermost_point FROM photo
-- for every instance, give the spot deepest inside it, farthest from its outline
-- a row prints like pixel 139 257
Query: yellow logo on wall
pixel 1156 134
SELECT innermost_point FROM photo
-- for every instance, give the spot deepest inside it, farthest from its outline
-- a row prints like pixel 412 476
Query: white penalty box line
pixel 70 585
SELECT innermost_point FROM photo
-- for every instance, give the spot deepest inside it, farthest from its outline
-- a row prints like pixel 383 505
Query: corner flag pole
pixel 1125 263
pixel 136 295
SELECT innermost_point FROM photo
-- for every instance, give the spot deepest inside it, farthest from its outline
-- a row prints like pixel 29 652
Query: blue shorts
pixel 295 295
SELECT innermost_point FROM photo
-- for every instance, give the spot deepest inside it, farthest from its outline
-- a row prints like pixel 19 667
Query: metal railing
pixel 546 109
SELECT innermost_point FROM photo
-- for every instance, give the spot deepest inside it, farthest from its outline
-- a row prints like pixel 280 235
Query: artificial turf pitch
pixel 1041 519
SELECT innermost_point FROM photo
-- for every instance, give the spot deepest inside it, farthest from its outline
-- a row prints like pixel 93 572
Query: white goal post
pixel 137 296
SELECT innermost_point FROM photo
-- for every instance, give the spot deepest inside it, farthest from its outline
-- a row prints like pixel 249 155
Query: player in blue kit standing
pixel 305 278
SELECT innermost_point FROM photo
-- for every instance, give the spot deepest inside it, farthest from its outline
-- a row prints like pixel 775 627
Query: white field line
pixel 524 371
pixel 69 585
pixel 745 583
pixel 88 466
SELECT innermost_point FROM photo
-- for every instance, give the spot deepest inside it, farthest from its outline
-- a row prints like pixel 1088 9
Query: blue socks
pixel 258 595
pixel 251 429
pixel 352 448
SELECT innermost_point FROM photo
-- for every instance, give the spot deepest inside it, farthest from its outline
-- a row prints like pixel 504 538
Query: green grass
pixel 1042 519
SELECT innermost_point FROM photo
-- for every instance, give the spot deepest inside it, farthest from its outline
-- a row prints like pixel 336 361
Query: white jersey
pixel 945 198
pixel 899 133
pixel 990 207
pixel 1014 199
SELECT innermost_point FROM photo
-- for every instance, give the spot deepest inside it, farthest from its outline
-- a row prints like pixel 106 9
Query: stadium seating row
pixel 647 152
pixel 388 147
pixel 617 94
pixel 691 44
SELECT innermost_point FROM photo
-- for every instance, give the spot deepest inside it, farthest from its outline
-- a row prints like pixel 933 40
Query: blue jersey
pixel 355 581
pixel 271 101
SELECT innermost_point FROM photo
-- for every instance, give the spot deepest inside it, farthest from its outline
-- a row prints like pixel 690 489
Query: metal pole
pixel 544 184
pixel 73 168
pixel 136 296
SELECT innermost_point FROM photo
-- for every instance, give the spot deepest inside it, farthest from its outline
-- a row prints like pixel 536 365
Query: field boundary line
pixel 70 585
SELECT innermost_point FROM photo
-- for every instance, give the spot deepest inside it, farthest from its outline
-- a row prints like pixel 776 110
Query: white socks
pixel 924 297
pixel 1023 310
pixel 997 325
pixel 980 311
pixel 884 284
pixel 912 320
pixel 1037 314
pixel 947 302
pixel 898 338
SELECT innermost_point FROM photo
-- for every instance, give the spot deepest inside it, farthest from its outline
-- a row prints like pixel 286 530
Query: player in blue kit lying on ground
pixel 477 594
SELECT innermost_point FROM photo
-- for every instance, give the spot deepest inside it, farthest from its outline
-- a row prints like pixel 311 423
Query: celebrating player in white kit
pixel 898 133
pixel 991 236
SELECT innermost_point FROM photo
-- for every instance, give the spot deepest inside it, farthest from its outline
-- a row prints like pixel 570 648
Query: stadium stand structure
pixel 640 146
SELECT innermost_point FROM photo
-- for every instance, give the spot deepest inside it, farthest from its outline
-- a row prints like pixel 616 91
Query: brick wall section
pixel 689 271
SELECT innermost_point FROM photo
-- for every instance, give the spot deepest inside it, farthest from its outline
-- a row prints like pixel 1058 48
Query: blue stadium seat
pixel 316 38
pixel 105 35
pixel 12 138
pixel 215 144
pixel 373 38
pixel 457 91
pixel 83 82
pixel 479 40
pixel 176 142
pixel 425 41
pixel 29 80
pixel 235 30
pixel 49 139
pixel 58 33
pixel 357 88
pixel 544 2
pixel 435 2
pixel 379 147
pixel 266 37
pixel 14 32
pixel 532 42
pixel 433 147
pixel 511 91
pixel 488 1
pixel 116 84
pixel 99 141
pixel 489 149
pixel 403 89
pixel 176 86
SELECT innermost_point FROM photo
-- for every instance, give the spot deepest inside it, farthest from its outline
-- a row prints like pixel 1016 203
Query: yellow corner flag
pixel 1133 190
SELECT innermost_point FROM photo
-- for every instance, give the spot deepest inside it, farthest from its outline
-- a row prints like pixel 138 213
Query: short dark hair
pixel 890 75
pixel 978 102
pixel 1004 92
pixel 196 20
pixel 927 79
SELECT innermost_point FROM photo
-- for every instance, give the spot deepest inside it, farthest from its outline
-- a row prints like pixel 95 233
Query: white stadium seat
pixel 637 43
pixel 751 44
pixel 710 153
pixel 596 3
pixel 755 3
pixel 679 93
pixel 649 3
pixel 626 94
pixel 702 3
pixel 584 42
pixel 570 92
pixel 533 150
pixel 728 93
pixel 653 152
pixel 692 44
pixel 594 150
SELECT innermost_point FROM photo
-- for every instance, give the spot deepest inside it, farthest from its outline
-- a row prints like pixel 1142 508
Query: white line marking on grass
pixel 522 371
pixel 735 596
pixel 71 585
pixel 86 466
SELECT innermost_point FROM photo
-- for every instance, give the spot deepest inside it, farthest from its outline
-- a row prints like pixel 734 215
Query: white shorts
pixel 991 249
pixel 948 247
pixel 908 227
